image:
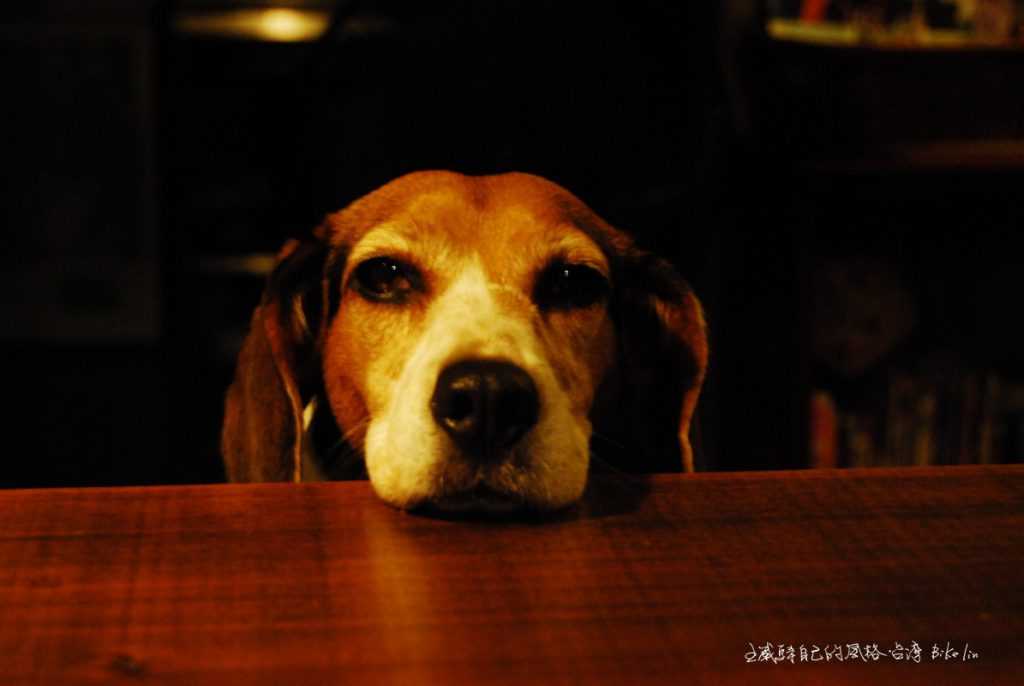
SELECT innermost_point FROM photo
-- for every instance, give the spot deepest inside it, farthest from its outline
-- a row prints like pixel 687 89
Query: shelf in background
pixel 941 155
pixel 901 38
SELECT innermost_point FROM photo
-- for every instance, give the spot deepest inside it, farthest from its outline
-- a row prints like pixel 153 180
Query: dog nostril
pixel 461 406
pixel 519 409
pixel 485 406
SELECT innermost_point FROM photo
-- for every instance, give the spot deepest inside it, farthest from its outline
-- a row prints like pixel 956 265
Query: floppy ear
pixel 648 400
pixel 278 369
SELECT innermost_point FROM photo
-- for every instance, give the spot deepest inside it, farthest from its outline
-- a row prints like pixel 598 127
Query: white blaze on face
pixel 411 459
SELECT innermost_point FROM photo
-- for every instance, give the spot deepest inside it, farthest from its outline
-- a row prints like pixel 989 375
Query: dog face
pixel 465 333
pixel 472 332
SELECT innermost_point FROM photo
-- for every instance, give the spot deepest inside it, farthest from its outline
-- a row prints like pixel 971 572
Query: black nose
pixel 486 406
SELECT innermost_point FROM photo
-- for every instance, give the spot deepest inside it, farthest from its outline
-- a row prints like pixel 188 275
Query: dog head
pixel 467 337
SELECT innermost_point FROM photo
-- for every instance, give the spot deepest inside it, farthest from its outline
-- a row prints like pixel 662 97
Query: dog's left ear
pixel 647 402
pixel 278 369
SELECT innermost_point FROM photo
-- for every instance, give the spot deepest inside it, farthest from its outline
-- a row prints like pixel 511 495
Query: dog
pixel 465 341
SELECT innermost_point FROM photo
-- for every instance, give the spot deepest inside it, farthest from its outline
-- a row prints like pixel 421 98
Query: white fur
pixel 310 467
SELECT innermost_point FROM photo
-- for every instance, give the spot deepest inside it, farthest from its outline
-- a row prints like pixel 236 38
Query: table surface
pixel 678 579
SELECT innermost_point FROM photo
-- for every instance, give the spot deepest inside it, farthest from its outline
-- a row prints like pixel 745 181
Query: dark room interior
pixel 848 216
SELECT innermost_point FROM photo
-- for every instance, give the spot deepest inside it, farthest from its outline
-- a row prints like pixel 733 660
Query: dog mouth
pixel 480 498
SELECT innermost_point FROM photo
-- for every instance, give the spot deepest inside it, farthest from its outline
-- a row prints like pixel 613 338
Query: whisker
pixel 609 440
pixel 345 460
pixel 601 465
pixel 354 429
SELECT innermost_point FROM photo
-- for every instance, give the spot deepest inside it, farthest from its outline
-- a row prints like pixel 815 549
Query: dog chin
pixel 409 479
pixel 519 493
pixel 480 499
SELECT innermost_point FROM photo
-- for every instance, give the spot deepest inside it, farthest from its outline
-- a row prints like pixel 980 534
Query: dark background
pixel 143 161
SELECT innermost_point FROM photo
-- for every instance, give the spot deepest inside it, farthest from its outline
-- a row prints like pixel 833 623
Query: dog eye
pixel 383 279
pixel 564 286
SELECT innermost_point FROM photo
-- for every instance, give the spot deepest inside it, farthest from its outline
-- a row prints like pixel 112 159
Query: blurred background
pixel 840 181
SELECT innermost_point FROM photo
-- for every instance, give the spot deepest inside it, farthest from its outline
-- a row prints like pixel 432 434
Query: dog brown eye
pixel 383 279
pixel 565 286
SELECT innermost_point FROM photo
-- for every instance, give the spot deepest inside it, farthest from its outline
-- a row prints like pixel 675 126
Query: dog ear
pixel 278 369
pixel 647 402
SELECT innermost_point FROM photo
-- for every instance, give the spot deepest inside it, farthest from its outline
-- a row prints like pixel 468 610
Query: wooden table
pixel 673 579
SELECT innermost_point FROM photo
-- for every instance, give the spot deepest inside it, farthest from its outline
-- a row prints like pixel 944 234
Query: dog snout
pixel 485 406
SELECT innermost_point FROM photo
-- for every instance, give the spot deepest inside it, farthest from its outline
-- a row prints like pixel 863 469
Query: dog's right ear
pixel 278 368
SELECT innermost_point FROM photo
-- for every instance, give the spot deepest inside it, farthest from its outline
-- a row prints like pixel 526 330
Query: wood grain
pixel 665 580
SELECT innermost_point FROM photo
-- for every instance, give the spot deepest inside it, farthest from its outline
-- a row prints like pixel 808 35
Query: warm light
pixel 291 25
pixel 276 24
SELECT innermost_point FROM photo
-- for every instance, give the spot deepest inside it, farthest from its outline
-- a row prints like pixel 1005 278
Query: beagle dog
pixel 466 343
